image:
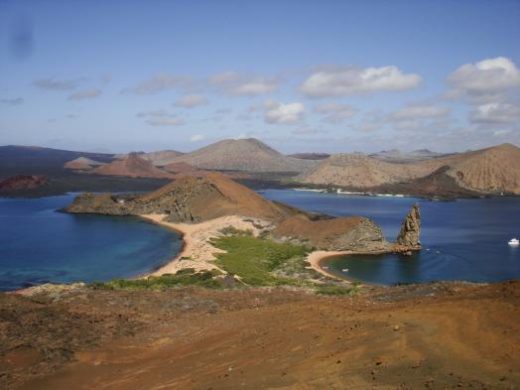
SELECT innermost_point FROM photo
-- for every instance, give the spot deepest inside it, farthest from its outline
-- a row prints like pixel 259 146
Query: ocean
pixel 38 244
pixel 463 240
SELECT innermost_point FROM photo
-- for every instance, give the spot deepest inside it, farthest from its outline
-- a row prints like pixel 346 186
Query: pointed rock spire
pixel 411 229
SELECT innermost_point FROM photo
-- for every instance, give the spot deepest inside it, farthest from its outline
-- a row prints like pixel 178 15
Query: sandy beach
pixel 317 259
pixel 197 251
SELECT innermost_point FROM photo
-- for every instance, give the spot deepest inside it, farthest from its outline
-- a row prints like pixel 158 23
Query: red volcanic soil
pixel 431 336
pixel 22 182
pixel 132 166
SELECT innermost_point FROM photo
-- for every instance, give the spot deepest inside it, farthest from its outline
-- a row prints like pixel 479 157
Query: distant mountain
pixel 82 164
pixel 36 160
pixel 159 158
pixel 395 155
pixel 132 166
pixel 250 155
pixel 358 171
pixel 492 170
pixel 310 156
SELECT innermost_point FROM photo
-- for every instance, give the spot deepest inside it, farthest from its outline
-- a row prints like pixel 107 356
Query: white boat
pixel 514 242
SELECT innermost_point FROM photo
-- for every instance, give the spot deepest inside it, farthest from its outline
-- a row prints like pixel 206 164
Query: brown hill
pixel 132 166
pixel 491 170
pixel 359 171
pixel 249 155
pixel 188 199
pixel 82 164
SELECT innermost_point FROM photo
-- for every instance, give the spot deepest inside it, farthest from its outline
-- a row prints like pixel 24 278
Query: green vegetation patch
pixel 255 261
pixel 186 277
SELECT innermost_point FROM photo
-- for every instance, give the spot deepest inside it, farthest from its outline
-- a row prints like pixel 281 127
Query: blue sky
pixel 325 76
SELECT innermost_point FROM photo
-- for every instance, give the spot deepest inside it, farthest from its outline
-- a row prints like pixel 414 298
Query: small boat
pixel 344 270
pixel 514 242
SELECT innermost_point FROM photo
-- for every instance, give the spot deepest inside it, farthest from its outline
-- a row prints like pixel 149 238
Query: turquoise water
pixel 462 240
pixel 39 244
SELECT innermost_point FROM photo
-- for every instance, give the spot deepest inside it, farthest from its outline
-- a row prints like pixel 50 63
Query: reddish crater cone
pixel 132 166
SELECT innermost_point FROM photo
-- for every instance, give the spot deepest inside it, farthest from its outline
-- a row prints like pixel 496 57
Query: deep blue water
pixel 39 244
pixel 462 240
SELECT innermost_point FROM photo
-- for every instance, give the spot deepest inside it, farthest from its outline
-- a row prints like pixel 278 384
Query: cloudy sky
pixel 324 76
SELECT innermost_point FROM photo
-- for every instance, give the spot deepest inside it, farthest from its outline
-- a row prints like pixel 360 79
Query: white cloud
pixel 85 94
pixel 334 112
pixel 484 80
pixel 190 101
pixel 420 111
pixel 197 137
pixel 233 83
pixel 495 113
pixel 283 113
pixel 160 118
pixel 353 81
pixel 252 88
pixel 159 83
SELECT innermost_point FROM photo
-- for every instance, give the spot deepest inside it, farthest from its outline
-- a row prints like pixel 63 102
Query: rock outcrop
pixel 408 238
pixel 333 234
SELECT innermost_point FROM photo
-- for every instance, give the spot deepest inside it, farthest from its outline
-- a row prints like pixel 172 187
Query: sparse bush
pixel 335 289
pixel 186 277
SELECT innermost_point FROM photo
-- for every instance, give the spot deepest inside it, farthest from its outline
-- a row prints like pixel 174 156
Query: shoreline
pixel 317 259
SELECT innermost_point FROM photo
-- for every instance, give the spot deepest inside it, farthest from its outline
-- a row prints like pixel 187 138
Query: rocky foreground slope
pixel 429 336
pixel 193 199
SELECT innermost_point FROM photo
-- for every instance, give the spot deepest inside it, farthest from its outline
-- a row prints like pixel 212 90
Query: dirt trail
pixel 430 336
